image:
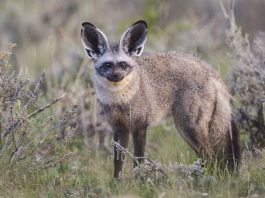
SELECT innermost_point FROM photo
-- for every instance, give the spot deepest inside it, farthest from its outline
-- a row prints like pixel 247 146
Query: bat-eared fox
pixel 136 91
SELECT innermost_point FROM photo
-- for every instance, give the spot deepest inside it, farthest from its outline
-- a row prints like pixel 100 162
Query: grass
pixel 88 173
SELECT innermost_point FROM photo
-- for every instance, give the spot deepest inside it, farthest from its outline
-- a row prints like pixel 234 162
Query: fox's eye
pixel 123 65
pixel 107 65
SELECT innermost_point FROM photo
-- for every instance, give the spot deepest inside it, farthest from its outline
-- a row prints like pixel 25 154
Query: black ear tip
pixel 141 22
pixel 87 24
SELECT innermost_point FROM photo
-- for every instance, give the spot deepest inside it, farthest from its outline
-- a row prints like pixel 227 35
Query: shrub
pixel 26 127
pixel 247 81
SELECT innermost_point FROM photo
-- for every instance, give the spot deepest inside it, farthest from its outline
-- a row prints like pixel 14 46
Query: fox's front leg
pixel 139 140
pixel 121 136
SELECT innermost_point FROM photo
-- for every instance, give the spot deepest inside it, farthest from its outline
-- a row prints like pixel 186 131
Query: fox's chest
pixel 128 114
pixel 121 92
pixel 117 97
pixel 138 110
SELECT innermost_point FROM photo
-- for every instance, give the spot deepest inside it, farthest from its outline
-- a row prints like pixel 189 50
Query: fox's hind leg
pixel 204 120
pixel 192 113
pixel 195 136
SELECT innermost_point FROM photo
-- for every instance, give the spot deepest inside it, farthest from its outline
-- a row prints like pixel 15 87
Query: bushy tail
pixel 233 157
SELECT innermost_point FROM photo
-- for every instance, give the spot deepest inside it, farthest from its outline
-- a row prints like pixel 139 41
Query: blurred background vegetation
pixel 47 32
pixel 47 38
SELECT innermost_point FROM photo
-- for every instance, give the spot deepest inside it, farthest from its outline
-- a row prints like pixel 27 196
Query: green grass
pixel 88 173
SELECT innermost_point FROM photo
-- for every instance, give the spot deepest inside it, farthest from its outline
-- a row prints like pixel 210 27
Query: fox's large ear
pixel 133 39
pixel 94 41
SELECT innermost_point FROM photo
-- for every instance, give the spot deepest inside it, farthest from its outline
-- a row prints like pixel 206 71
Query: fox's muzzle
pixel 115 77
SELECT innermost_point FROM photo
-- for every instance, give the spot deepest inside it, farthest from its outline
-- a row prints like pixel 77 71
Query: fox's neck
pixel 117 93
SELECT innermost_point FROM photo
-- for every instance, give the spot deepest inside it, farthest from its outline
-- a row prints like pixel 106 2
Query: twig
pixel 46 106
pixel 19 122
pixel 52 163
pixel 61 123
pixel 123 150
pixel 13 129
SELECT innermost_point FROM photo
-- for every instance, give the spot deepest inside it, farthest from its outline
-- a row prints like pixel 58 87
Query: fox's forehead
pixel 114 54
pixel 114 47
pixel 113 51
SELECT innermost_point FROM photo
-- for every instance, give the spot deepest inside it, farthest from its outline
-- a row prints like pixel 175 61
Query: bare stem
pixel 125 151
pixel 46 106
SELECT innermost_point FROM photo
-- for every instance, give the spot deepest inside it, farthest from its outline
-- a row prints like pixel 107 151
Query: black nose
pixel 116 77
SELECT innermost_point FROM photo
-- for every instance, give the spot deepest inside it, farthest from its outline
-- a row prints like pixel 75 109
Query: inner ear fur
pixel 94 41
pixel 133 39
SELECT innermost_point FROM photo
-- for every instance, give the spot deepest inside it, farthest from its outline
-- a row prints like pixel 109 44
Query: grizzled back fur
pixel 137 91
